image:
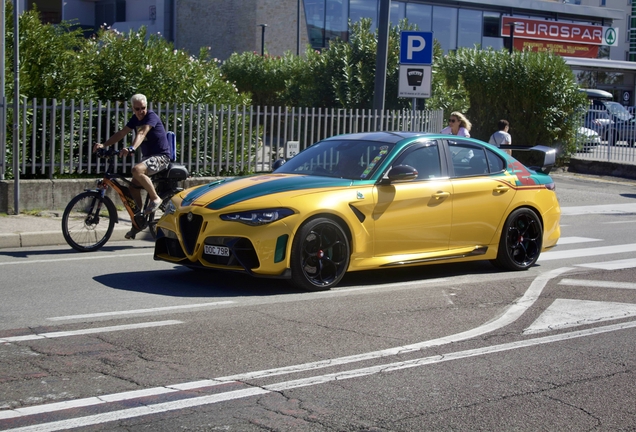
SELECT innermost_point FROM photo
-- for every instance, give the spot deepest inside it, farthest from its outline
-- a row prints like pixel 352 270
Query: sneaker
pixel 130 235
pixel 153 206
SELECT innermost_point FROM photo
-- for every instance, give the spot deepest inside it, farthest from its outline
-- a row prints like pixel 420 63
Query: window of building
pixel 420 15
pixel 109 12
pixel 315 16
pixel 445 27
pixel 335 20
pixel 398 12
pixel 469 23
pixel 50 10
pixel 364 9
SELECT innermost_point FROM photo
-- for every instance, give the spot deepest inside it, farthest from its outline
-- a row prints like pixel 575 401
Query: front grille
pixel 190 230
pixel 170 247
pixel 242 253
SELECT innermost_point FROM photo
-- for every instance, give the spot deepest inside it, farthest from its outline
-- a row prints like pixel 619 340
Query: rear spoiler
pixel 538 158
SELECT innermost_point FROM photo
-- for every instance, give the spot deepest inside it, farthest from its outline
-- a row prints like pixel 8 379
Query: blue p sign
pixel 416 47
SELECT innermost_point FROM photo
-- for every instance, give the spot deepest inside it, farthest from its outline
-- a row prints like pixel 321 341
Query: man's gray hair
pixel 139 98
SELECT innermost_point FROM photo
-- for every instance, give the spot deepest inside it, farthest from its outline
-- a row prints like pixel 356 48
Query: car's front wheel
pixel 521 240
pixel 320 255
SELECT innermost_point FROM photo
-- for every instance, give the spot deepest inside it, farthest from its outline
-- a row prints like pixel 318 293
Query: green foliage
pixel 342 76
pixel 124 64
pixel 263 77
pixel 535 92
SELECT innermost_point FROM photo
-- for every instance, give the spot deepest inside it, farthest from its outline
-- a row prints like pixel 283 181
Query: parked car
pixel 611 120
pixel 368 201
pixel 587 139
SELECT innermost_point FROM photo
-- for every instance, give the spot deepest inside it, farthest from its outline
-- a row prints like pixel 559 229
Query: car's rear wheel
pixel 521 240
pixel 320 255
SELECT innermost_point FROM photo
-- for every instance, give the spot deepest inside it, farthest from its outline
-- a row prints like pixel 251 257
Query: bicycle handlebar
pixel 107 152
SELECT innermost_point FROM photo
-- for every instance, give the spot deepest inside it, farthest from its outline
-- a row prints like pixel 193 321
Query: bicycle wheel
pixel 88 221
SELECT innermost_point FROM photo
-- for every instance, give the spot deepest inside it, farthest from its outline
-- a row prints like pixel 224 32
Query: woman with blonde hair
pixel 458 125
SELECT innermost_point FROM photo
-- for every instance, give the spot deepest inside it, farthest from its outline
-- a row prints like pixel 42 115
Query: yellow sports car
pixel 368 201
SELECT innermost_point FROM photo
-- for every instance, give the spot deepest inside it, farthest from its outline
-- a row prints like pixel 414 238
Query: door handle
pixel 441 195
pixel 501 189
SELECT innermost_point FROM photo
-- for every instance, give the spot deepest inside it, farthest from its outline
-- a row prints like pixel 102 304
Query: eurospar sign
pixel 567 39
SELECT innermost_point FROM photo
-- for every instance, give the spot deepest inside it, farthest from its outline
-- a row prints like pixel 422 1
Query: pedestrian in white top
pixel 457 125
pixel 501 137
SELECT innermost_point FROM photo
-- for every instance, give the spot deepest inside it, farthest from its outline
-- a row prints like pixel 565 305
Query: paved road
pixel 90 342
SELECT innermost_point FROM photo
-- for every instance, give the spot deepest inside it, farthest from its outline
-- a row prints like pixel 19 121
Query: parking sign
pixel 416 47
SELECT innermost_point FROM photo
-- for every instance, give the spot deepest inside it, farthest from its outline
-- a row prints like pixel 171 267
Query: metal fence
pixel 608 134
pixel 56 136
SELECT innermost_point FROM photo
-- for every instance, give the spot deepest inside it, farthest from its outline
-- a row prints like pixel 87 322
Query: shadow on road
pixel 183 282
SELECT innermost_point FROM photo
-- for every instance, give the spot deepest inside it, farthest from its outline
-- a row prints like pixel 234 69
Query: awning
pixel 600 64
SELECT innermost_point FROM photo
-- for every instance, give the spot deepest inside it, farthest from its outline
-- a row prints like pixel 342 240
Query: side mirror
pixel 401 173
pixel 277 164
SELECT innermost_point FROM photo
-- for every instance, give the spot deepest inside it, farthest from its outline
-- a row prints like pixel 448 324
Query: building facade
pixel 567 27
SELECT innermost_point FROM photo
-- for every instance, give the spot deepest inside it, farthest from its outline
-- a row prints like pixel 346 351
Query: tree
pixel 536 92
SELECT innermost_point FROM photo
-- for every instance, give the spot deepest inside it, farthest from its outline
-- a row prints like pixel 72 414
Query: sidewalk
pixel 45 229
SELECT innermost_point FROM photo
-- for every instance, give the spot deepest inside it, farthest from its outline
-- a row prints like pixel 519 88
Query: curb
pixel 56 238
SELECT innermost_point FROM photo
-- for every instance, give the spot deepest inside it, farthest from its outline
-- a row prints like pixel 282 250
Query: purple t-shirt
pixel 156 142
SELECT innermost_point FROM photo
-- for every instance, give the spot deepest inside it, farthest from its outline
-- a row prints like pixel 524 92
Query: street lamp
pixel 512 34
pixel 263 38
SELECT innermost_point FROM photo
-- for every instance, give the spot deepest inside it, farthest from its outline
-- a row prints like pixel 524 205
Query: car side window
pixel 495 163
pixel 468 159
pixel 424 159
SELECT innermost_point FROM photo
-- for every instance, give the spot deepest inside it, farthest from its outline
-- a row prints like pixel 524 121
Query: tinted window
pixel 468 159
pixel 424 159
pixel 356 160
pixel 495 163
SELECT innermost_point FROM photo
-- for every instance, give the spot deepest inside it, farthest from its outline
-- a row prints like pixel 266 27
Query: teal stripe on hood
pixel 284 184
pixel 201 190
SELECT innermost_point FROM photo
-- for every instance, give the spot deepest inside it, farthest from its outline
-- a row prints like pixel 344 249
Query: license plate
pixel 216 250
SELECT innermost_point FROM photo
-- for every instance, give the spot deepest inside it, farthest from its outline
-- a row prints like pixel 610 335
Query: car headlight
pixel 258 217
pixel 170 208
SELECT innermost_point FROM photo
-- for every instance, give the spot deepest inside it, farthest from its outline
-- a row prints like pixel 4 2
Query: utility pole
pixel 16 106
pixel 263 38
pixel 381 55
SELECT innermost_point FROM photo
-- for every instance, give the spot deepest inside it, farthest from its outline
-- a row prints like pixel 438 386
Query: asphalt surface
pixel 44 228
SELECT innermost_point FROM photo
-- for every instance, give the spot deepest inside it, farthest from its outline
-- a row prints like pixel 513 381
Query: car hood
pixel 226 192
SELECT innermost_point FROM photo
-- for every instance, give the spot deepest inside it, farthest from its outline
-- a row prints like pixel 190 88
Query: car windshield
pixel 352 159
pixel 618 111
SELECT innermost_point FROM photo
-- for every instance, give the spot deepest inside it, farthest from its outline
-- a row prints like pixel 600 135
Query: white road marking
pixel 618 222
pixel 305 382
pixel 413 284
pixel 599 209
pixel 573 240
pixel 80 258
pixel 578 253
pixel 507 317
pixel 139 311
pixel 598 283
pixel 88 331
pixel 142 411
pixel 99 400
pixel 611 265
pixel 566 313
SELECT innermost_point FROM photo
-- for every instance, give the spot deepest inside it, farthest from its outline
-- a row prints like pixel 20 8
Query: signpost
pixel 416 57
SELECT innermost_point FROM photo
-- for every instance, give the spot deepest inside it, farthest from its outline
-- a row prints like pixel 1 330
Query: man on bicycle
pixel 155 150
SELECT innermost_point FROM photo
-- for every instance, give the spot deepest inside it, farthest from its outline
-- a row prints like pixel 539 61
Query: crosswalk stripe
pixel 574 240
pixel 611 265
pixel 578 253
pixel 598 283
pixel 599 209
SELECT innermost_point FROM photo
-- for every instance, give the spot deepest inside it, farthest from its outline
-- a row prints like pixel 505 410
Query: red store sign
pixel 552 31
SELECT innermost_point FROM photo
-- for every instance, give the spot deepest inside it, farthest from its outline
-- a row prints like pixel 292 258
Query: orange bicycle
pixel 90 217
